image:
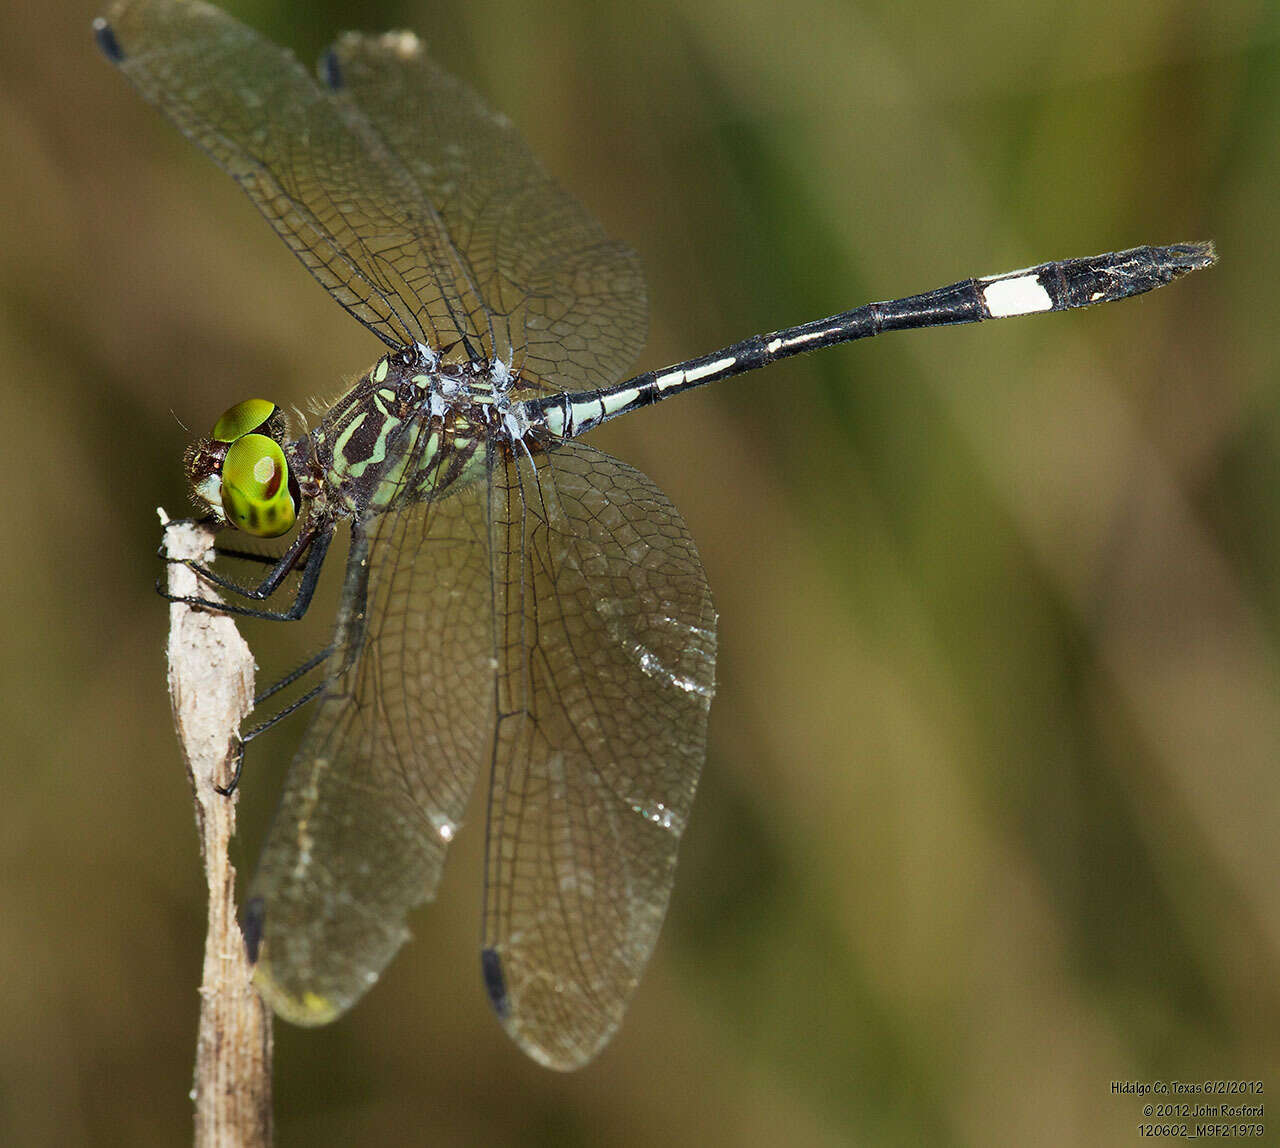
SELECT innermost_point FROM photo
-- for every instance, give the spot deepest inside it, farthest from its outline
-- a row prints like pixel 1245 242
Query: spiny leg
pixel 313 542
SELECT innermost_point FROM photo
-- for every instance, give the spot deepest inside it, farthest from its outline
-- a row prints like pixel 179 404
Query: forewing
pixel 420 211
pixel 566 304
pixel 380 782
pixel 606 646
pixel 335 193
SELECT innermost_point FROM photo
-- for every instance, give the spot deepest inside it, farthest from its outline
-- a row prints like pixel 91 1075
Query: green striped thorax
pixel 414 428
pixel 240 474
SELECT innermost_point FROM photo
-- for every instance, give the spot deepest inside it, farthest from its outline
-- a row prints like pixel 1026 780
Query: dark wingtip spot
pixel 331 70
pixel 495 984
pixel 251 924
pixel 107 42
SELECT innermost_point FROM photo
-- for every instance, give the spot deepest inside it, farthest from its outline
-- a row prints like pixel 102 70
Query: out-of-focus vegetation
pixel 991 815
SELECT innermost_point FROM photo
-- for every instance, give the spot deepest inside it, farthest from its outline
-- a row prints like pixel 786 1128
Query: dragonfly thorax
pixel 415 427
pixel 417 381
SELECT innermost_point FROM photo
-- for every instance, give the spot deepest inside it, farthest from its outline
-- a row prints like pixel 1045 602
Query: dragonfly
pixel 515 603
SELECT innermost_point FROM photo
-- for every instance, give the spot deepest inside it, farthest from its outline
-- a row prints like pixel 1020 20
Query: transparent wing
pixel 606 646
pixel 421 213
pixel 379 784
pixel 566 304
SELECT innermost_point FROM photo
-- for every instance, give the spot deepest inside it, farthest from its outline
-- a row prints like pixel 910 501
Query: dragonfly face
pixel 240 474
pixel 516 605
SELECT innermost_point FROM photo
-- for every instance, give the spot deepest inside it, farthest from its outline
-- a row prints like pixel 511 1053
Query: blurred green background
pixel 990 815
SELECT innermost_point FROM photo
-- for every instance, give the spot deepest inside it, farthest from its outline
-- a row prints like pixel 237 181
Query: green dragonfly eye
pixel 242 419
pixel 255 485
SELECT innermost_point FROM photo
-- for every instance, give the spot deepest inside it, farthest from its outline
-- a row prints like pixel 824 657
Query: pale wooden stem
pixel 211 689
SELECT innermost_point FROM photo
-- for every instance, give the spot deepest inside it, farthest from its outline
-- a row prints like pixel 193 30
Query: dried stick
pixel 211 689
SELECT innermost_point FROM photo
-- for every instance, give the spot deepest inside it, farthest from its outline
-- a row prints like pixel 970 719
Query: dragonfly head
pixel 240 474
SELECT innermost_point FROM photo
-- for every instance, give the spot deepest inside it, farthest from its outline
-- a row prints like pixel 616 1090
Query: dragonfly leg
pixel 292 676
pixel 231 786
pixel 248 556
pixel 301 671
pixel 280 566
pixel 314 542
